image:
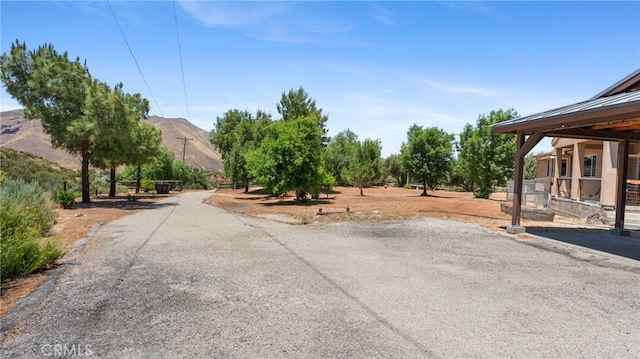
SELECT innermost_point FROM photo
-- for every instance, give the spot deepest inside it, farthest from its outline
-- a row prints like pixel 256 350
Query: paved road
pixel 186 279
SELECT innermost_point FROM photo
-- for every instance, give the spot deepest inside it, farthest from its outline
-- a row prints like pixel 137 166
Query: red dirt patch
pixel 378 203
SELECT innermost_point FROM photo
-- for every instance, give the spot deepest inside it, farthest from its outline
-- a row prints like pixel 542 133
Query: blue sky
pixel 373 67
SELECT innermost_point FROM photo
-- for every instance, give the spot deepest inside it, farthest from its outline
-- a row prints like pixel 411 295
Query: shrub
pixel 99 184
pixel 66 199
pixel 147 185
pixel 482 193
pixel 24 254
pixel 26 213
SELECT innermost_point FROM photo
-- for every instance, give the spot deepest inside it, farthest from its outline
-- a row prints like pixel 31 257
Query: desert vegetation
pixel 26 214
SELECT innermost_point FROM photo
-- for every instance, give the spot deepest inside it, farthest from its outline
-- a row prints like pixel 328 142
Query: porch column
pixel 517 182
pixel 555 189
pixel 522 148
pixel 577 168
pixel 609 167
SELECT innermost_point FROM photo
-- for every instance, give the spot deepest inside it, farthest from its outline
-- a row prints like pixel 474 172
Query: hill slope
pixel 21 134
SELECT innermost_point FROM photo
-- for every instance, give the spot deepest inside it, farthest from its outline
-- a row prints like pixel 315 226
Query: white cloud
pixel 231 14
pixel 288 22
pixel 456 89
pixel 381 14
pixel 467 6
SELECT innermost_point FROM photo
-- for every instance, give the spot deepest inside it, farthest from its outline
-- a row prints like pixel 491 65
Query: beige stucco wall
pixel 541 169
pixel 605 181
pixel 609 173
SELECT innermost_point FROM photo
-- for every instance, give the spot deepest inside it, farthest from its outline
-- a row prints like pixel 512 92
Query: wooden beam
pixel 517 181
pixel 531 142
pixel 594 134
pixel 631 127
pixel 634 124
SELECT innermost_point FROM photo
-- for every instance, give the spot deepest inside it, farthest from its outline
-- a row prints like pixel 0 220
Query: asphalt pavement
pixel 185 279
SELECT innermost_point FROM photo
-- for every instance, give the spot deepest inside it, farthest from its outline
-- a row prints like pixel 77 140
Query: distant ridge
pixel 21 134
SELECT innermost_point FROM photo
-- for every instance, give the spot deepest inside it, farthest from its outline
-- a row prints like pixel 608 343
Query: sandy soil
pixel 377 204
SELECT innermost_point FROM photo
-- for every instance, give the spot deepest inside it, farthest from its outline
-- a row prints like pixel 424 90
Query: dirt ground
pixel 377 204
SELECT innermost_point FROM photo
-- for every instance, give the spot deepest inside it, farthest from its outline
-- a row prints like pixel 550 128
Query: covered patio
pixel 612 115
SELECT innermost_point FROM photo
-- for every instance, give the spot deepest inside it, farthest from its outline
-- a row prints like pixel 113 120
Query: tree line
pixel 104 125
pixel 83 115
pixel 294 153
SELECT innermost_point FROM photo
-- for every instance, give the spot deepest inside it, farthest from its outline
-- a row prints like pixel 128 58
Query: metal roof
pixel 624 85
pixel 613 114
pixel 623 99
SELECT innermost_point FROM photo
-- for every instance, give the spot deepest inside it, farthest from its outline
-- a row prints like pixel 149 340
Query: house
pixel 585 172
pixel 596 146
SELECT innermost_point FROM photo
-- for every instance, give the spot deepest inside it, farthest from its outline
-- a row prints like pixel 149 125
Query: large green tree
pixel 486 158
pixel 56 90
pixel 234 135
pixel 338 153
pixel 120 114
pixel 427 155
pixel 288 157
pixel 364 166
pixel 393 168
pixel 146 141
pixel 298 138
pixel 297 104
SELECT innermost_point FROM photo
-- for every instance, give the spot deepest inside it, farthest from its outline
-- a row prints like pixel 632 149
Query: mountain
pixel 21 134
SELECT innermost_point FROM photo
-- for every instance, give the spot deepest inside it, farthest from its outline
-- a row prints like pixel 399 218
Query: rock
pixel 597 218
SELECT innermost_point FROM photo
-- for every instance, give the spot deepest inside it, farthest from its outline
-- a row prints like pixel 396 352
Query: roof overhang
pixel 614 117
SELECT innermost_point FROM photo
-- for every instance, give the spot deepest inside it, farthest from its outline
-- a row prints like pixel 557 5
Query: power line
pixel 184 83
pixel 134 57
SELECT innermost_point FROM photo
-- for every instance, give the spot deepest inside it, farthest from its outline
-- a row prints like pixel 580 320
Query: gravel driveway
pixel 185 279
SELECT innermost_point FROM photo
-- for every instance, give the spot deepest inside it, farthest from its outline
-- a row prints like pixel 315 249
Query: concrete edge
pixel 30 303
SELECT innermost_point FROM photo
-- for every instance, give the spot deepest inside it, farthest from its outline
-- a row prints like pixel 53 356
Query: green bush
pixel 99 184
pixel 66 199
pixel 24 254
pixel 26 213
pixel 482 193
pixel 147 185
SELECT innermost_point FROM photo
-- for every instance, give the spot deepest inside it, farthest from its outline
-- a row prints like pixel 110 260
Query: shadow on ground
pixel 599 239
pixel 143 201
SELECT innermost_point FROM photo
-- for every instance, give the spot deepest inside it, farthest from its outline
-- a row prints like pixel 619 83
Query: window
pixel 563 168
pixel 551 167
pixel 589 169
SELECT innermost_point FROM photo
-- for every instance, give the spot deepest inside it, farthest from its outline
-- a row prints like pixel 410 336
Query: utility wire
pixel 134 57
pixel 184 83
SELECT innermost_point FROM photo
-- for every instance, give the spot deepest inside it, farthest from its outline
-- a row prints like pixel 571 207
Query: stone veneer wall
pixel 572 208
